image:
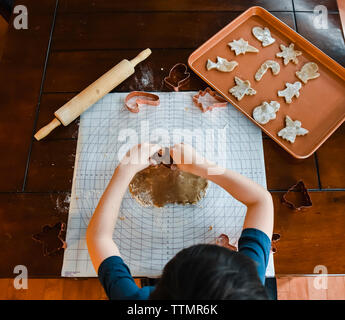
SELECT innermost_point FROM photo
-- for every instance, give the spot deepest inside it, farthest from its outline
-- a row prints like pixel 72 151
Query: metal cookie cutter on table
pixel 51 238
pixel 214 100
pixel 301 200
pixel 135 99
pixel 178 77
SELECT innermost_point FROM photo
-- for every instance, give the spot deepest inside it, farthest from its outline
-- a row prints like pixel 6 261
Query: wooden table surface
pixel 70 43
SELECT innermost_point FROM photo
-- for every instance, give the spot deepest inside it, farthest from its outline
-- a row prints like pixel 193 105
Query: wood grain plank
pixel 298 289
pixel 53 289
pixel 51 166
pixel 35 290
pixel 336 288
pixel 329 40
pixel 74 71
pixel 283 284
pixel 3 32
pixel 23 215
pixel 49 104
pixel 21 67
pixel 309 5
pixel 283 171
pixel 341 7
pixel 76 31
pixel 91 289
pixel 311 238
pixel 82 289
pixel 331 159
pixel 283 295
pixel 4 285
pixel 180 5
pixel 315 293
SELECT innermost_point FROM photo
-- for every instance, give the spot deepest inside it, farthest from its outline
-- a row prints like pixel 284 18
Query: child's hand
pixel 138 158
pixel 186 158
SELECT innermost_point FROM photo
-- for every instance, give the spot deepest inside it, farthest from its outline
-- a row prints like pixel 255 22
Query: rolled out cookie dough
pixel 160 185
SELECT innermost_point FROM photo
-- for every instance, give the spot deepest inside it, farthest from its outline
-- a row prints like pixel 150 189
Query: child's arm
pixel 256 198
pixel 99 234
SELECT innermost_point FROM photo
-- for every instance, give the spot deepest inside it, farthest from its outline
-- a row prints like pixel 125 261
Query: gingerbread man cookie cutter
pixel 51 238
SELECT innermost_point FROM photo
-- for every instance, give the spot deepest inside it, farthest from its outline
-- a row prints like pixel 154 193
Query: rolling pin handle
pixel 43 132
pixel 141 57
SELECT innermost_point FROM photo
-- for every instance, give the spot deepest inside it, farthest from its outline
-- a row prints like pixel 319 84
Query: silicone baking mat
pixel 321 104
pixel 149 237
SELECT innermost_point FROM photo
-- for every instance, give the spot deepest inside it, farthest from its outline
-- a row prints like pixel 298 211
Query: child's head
pixel 209 272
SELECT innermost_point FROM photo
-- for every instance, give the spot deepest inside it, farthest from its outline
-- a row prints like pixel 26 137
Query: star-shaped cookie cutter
pixel 218 101
pixel 142 98
pixel 178 77
pixel 301 202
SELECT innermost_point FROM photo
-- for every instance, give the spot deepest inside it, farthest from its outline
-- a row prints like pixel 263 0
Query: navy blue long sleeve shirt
pixel 118 282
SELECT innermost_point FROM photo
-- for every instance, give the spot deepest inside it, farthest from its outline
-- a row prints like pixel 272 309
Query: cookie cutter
pixel 218 100
pixel 223 241
pixel 178 77
pixel 142 98
pixel 164 158
pixel 51 234
pixel 302 200
pixel 275 239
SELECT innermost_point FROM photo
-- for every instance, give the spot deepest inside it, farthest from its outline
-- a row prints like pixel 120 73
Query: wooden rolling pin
pixel 95 91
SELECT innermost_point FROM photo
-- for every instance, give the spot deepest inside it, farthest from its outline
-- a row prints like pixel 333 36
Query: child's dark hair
pixel 209 272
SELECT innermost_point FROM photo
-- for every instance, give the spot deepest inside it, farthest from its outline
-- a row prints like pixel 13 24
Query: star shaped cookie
pixel 241 46
pixel 292 129
pixel 288 54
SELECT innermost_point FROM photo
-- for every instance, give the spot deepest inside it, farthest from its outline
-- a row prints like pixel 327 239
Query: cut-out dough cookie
pixel 308 72
pixel 292 129
pixel 292 90
pixel 266 111
pixel 241 46
pixel 288 54
pixel 222 65
pixel 241 89
pixel 265 66
pixel 263 35
pixel 160 185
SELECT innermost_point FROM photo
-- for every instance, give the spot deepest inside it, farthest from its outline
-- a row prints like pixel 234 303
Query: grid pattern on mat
pixel 148 237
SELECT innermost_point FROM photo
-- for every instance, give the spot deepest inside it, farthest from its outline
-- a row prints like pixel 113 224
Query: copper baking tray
pixel 321 104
